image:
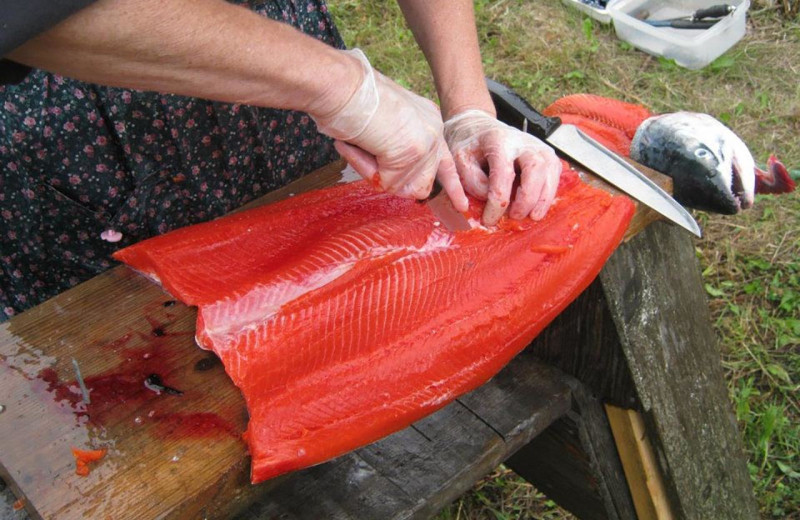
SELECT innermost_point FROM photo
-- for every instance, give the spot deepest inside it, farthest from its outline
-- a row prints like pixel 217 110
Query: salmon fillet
pixel 346 314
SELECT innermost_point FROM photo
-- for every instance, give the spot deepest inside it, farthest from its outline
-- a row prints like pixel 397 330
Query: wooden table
pixel 638 337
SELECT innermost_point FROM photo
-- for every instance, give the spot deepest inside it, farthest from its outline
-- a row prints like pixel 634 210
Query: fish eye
pixel 701 153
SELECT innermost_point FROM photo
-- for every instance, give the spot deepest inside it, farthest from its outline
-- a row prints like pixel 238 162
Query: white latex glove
pixel 479 140
pixel 386 130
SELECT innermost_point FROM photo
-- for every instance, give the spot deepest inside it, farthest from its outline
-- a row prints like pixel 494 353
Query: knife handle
pixel 715 11
pixel 513 110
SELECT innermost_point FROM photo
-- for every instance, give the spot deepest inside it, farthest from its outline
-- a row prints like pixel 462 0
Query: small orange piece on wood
pixel 84 457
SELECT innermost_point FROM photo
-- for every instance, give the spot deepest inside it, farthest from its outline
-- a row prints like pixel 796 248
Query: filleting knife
pixel 570 142
pixel 442 207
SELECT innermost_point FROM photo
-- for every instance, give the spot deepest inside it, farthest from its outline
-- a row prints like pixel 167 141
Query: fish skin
pixel 360 315
pixel 711 166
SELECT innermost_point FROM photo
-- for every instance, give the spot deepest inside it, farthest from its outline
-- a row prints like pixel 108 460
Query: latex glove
pixel 479 140
pixel 387 131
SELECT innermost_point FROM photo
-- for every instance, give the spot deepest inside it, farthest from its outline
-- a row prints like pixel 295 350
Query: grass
pixel 750 262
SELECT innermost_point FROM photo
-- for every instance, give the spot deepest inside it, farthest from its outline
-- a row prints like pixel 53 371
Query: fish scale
pixel 357 315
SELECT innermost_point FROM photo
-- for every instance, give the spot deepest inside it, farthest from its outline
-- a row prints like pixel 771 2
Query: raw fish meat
pixel 346 314
pixel 608 112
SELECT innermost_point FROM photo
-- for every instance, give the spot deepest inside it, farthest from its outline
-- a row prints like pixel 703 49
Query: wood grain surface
pixel 169 455
pixel 653 287
pixel 638 460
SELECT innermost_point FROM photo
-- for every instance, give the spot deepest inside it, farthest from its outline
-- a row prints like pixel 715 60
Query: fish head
pixel 711 167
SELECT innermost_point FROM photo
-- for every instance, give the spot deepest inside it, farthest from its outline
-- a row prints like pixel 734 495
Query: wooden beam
pixel 575 462
pixel 641 470
pixel 415 472
pixel 655 293
pixel 583 342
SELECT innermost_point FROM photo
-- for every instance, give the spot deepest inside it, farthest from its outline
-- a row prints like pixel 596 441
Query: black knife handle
pixel 512 109
pixel 715 11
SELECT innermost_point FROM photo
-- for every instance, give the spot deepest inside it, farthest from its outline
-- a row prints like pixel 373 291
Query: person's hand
pixel 386 130
pixel 478 141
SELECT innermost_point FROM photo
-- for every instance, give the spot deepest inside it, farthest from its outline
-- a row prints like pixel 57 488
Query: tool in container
pixel 700 19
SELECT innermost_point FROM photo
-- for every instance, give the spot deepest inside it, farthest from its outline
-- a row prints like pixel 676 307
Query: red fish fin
pixel 775 180
pixel 609 112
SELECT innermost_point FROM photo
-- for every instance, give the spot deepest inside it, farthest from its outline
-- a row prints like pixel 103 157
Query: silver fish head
pixel 711 167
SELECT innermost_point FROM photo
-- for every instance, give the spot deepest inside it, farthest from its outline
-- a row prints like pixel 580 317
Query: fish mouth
pixel 740 197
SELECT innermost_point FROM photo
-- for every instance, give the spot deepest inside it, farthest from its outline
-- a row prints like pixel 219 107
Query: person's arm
pixel 24 19
pixel 448 37
pixel 202 48
pixel 449 40
pixel 215 50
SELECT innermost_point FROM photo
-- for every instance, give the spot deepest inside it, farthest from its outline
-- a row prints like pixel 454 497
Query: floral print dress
pixel 78 161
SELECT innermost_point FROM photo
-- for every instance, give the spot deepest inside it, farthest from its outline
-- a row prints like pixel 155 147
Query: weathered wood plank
pixel 575 462
pixel 158 452
pixel 417 471
pixel 557 465
pixel 119 328
pixel 654 289
pixel 641 471
pixel 583 342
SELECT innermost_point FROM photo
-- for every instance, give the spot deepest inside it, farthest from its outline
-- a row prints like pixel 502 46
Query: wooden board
pixel 638 460
pixel 653 287
pixel 575 462
pixel 583 342
pixel 169 456
pixel 419 470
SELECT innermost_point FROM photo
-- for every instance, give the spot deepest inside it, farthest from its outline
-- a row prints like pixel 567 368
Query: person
pixel 95 155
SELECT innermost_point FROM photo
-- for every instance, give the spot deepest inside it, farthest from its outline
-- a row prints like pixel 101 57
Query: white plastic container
pixel 598 14
pixel 690 48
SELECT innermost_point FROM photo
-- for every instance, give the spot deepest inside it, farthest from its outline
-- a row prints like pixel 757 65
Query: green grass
pixel 750 262
pixel 753 281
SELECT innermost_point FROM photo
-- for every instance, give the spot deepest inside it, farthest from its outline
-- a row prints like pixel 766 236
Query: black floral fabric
pixel 78 161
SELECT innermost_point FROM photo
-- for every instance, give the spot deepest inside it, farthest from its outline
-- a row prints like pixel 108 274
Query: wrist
pixel 343 113
pixel 478 98
pixel 338 82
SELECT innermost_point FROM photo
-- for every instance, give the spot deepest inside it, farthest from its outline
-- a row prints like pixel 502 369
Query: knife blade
pixel 577 146
pixel 442 207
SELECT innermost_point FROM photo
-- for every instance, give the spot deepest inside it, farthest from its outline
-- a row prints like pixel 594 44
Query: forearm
pixel 448 37
pixel 202 48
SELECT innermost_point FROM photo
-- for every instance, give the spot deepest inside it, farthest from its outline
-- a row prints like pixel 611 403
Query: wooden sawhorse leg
pixel 641 338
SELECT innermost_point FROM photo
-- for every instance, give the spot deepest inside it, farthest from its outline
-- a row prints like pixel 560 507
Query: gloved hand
pixel 479 140
pixel 386 130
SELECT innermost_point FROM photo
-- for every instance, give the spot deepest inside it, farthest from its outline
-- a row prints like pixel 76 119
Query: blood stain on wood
pixel 118 393
pixel 182 425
